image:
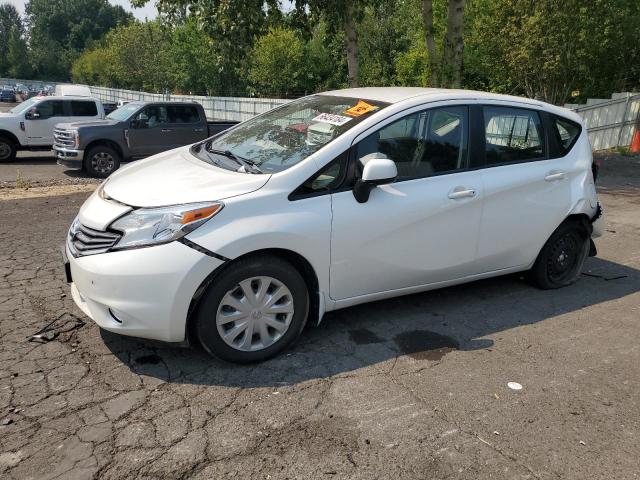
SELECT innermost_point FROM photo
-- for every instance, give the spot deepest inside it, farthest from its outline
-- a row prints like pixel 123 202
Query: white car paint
pixel 38 132
pixel 64 89
pixel 410 236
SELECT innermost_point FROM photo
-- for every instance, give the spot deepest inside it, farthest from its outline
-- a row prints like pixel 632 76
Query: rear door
pixel 421 229
pixel 185 125
pixel 526 194
pixel 83 109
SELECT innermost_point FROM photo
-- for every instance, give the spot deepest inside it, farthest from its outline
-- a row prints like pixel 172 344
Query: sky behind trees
pixel 148 11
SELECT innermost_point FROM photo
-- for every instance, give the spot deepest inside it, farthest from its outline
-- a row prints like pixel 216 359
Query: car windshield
pixel 286 135
pixel 123 113
pixel 21 107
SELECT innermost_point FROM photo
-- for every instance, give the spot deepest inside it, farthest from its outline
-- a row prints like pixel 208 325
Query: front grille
pixel 87 241
pixel 63 138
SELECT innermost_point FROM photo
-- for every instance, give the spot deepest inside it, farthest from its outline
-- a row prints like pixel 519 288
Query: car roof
pixel 147 102
pixel 400 94
pixel 65 97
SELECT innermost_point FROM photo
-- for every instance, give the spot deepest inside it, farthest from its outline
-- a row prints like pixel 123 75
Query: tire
pixel 7 150
pixel 247 278
pixel 101 161
pixel 562 258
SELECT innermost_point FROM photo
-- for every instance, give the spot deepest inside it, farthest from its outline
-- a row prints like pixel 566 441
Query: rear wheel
pixel 562 258
pixel 101 161
pixel 7 150
pixel 253 310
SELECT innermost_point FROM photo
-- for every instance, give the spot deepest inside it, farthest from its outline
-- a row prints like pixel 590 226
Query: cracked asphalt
pixel 410 388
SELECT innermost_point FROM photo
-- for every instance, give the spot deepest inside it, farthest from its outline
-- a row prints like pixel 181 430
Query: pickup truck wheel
pixel 101 161
pixel 7 150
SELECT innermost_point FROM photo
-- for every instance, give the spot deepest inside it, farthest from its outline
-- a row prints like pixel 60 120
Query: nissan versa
pixel 330 201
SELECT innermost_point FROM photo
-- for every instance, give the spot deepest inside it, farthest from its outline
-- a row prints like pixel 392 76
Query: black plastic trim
pixel 201 249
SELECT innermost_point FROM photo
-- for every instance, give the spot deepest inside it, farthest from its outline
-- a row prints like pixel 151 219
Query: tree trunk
pixel 427 19
pixel 351 43
pixel 454 44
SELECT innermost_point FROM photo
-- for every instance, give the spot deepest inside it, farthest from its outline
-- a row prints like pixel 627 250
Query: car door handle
pixel 165 130
pixel 554 175
pixel 461 192
pixel 198 129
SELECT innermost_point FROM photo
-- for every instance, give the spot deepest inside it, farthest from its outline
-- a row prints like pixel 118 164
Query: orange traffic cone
pixel 635 141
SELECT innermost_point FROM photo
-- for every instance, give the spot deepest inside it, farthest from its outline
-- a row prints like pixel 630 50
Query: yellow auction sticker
pixel 360 108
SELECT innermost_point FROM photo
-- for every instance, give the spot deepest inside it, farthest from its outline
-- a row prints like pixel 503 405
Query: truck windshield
pixel 123 113
pixel 21 107
pixel 287 135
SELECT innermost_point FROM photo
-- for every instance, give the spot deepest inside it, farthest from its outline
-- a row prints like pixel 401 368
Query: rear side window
pixel 566 133
pixel 182 114
pixel 80 108
pixel 512 135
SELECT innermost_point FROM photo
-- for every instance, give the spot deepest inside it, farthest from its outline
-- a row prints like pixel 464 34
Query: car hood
pixel 176 177
pixel 86 123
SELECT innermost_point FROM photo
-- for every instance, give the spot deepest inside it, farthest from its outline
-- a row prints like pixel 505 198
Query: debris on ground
pixel 514 386
pixel 65 323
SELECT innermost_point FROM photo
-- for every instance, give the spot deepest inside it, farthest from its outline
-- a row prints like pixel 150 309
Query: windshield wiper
pixel 244 162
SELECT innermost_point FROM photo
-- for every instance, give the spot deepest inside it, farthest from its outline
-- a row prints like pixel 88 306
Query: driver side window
pixel 421 144
pixel 50 108
pixel 152 116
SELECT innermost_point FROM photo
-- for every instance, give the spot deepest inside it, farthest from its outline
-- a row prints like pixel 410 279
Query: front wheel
pixel 562 258
pixel 253 310
pixel 7 150
pixel 101 161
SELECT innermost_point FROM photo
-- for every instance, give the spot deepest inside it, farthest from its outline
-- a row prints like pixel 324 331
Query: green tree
pixel 344 16
pixel 550 49
pixel 194 69
pixel 278 65
pixel 60 30
pixel 11 33
pixel 233 25
pixel 18 57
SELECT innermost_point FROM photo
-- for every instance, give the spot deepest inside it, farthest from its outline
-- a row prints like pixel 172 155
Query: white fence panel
pixel 216 108
pixel 611 123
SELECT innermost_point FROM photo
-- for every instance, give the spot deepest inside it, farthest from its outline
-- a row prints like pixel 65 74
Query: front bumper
pixel 143 292
pixel 69 157
pixel 598 223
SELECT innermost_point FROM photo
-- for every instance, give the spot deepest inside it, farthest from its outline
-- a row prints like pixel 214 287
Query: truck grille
pixel 63 138
pixel 87 241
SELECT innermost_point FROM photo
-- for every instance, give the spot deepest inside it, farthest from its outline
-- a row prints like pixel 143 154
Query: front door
pixel 43 118
pixel 150 133
pixel 421 229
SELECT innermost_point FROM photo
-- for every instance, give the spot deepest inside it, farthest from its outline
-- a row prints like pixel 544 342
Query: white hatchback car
pixel 330 201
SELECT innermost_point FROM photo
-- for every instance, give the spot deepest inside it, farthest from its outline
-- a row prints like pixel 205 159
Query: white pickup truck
pixel 29 125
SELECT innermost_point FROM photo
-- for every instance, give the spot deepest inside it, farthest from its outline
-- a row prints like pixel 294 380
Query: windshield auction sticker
pixel 360 108
pixel 332 119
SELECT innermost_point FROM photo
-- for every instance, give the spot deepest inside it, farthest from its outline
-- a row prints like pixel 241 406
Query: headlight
pixel 101 193
pixel 154 226
pixel 76 138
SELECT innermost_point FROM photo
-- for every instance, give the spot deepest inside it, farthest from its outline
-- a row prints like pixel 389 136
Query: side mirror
pixel 32 114
pixel 377 171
